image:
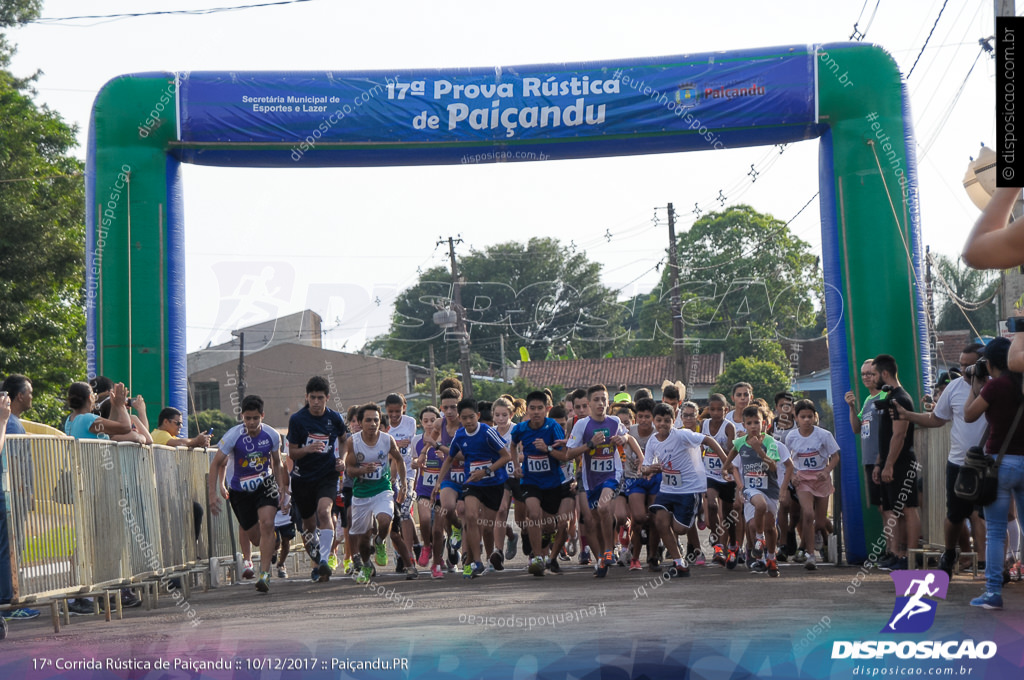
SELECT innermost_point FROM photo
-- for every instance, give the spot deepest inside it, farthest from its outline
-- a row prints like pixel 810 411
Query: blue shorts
pixel 648 487
pixel 449 484
pixel 594 495
pixel 683 506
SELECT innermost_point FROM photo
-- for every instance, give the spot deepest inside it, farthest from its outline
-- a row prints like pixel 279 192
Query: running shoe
pixel 357 562
pixel 1016 572
pixel 263 585
pixel 625 557
pixel 325 572
pixel 365 574
pixel 436 572
pixel 564 555
pixel 602 569
pixel 988 601
pixel 424 555
pixel 381 556
pixel 678 570
pixel 573 545
pixel 80 607
pixel 719 555
pixel 634 565
pixel 554 567
pixel 901 565
pixel 417 550
pixel 497 560
pixel 758 551
pixel 585 555
pixel 453 554
pixel 247 570
pixel 332 561
pixel 349 567
pixel 477 569
pixel 412 573
pixel 654 565
pixel 732 559
pixel 23 614
pixel 623 536
pixel 536 566
pixel 810 564
pixel 741 556
pixel 800 557
pixel 609 557
pixel 314 575
pixel 456 537
pixel 467 571
pixel 773 568
pixel 490 568
pixel 282 572
pixel 758 566
pixel 946 561
pixel 129 599
pixel 511 547
pixel 699 560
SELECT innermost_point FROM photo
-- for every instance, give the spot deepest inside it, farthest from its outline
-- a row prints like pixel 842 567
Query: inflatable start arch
pixel 848 94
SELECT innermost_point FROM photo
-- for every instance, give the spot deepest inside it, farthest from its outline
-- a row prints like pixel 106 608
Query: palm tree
pixel 962 293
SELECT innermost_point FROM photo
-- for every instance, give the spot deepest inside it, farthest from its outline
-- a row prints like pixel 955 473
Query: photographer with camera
pixel 962 436
pixel 896 470
pixel 996 394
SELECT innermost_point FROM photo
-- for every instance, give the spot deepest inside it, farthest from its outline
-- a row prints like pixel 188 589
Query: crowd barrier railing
pixel 88 517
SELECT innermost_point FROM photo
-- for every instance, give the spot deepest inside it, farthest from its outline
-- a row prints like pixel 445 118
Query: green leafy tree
pixel 765 377
pixel 42 237
pixel 540 295
pixel 212 418
pixel 968 286
pixel 745 283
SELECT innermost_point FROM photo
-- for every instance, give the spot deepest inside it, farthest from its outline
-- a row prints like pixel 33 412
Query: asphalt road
pixel 439 622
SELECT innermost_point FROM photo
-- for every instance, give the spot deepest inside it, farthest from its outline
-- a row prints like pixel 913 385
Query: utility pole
pixel 461 332
pixel 433 376
pixel 504 376
pixel 1005 8
pixel 675 306
pixel 241 367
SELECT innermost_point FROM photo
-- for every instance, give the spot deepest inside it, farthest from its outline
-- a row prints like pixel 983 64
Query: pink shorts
pixel 807 480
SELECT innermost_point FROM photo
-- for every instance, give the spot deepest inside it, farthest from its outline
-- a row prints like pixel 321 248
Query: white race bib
pixel 485 466
pixel 602 464
pixel 670 479
pixel 376 474
pixel 430 479
pixel 756 480
pixel 511 468
pixel 251 483
pixel 538 464
pixel 458 476
pixel 713 464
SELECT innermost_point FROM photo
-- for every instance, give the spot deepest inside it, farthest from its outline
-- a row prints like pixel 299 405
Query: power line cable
pixel 133 15
pixel 941 9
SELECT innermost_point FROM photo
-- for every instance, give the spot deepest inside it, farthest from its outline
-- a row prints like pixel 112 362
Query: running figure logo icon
pixel 914 611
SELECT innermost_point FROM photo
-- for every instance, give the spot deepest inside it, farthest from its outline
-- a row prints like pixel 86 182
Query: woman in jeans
pixel 999 398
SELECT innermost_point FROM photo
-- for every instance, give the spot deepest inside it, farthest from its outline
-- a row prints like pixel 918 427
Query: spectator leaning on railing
pixel 169 424
pixel 998 397
pixel 6 580
pixel 84 424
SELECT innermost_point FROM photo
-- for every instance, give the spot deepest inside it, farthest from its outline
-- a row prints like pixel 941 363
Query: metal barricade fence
pixel 85 514
pixel 932 448
pixel 41 518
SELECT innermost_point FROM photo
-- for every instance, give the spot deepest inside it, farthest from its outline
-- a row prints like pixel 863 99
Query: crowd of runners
pixel 600 478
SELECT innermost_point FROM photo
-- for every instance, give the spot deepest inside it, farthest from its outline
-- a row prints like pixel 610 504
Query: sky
pixel 367 232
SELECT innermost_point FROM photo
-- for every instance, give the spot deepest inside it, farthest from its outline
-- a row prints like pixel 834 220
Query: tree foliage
pixel 42 237
pixel 212 418
pixel 969 285
pixel 745 283
pixel 540 295
pixel 765 377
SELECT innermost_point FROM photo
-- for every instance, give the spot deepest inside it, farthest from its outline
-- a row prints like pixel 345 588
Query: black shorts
pixel 246 504
pixel 957 509
pixel 902 491
pixel 874 490
pixel 306 493
pixel 516 488
pixel 550 499
pixel 725 490
pixel 286 533
pixel 343 512
pixel 489 495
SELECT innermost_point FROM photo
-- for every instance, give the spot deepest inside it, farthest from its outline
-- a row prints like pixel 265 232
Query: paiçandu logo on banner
pixel 914 611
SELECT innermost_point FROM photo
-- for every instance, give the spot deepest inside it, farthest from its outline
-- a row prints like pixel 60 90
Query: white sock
pixel 326 541
pixel 760 537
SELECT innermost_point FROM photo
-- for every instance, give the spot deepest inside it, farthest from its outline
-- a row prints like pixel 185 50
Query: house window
pixel 207 395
